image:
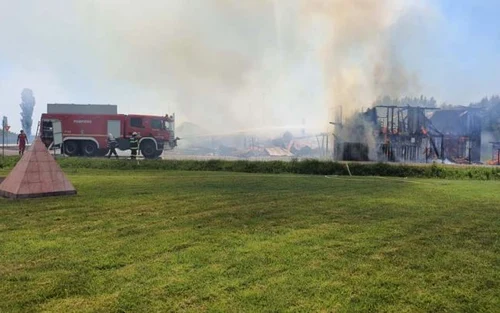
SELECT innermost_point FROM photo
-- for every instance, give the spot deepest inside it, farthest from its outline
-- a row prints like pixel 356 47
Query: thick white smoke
pixel 223 64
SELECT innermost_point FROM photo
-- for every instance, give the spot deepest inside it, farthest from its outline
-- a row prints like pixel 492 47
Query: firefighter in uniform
pixel 112 146
pixel 134 145
pixel 22 140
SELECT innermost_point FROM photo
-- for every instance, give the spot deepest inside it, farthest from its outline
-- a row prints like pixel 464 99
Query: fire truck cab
pixel 86 134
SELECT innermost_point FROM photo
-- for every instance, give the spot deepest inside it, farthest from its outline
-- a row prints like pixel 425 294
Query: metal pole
pixel 399 122
pixel 392 121
pixel 3 142
pixel 327 146
pixel 387 122
pixel 442 149
pixel 323 145
pixel 428 148
pixel 319 145
pixel 470 148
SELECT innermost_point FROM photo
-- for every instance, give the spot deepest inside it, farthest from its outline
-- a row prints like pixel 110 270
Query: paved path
pixel 9 151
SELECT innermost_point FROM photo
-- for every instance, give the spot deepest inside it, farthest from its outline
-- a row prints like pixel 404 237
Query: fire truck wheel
pixel 89 148
pixel 71 148
pixel 148 149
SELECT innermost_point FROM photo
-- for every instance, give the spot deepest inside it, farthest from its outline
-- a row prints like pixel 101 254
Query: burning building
pixel 406 134
pixel 495 153
pixel 461 129
pixel 391 133
pixel 411 134
pixel 354 140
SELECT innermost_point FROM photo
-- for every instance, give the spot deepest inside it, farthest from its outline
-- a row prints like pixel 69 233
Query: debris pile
pixel 196 141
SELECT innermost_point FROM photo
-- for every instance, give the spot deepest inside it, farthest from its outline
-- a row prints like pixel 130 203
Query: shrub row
pixel 8 162
pixel 308 167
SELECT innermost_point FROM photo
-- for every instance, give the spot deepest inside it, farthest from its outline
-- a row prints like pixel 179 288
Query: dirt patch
pixel 1 179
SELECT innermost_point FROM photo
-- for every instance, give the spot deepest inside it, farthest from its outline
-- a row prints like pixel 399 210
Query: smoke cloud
pixel 27 105
pixel 222 64
pixel 360 58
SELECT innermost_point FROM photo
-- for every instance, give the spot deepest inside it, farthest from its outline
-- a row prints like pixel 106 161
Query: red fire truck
pixel 86 134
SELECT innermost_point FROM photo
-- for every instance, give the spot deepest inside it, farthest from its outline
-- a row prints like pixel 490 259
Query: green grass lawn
pixel 223 242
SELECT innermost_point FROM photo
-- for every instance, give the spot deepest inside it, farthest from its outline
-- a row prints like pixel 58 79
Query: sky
pixel 244 65
pixel 462 63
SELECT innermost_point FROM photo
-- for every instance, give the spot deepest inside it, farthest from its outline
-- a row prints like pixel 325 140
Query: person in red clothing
pixel 22 140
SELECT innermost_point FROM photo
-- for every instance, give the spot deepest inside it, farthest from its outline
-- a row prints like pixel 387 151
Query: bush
pixel 305 167
pixel 8 162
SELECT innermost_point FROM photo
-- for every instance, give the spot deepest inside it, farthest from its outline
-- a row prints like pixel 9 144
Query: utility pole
pixel 4 128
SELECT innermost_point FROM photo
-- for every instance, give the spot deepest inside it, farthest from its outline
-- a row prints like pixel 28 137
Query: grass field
pixel 229 242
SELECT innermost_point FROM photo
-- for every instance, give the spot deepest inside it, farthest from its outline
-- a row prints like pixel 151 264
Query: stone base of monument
pixel 36 175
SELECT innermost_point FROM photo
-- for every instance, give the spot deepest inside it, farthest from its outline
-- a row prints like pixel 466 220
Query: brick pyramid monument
pixel 37 174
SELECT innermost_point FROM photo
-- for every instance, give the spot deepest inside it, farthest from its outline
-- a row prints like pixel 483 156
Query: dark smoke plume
pixel 27 105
